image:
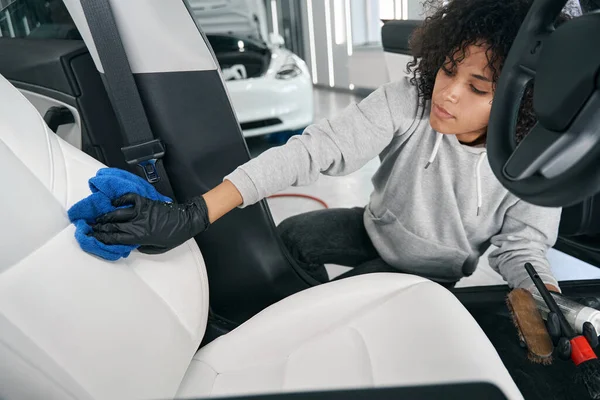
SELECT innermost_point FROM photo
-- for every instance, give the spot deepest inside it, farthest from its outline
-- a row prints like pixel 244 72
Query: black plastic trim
pixel 40 62
pixel 458 391
pixel 57 116
pixel 260 123
pixel 395 35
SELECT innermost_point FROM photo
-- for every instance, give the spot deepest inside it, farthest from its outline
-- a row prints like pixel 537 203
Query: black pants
pixel 333 236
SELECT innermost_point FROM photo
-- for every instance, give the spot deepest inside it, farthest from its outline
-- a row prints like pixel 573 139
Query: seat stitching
pixel 217 374
pixel 364 343
pixel 43 126
pixel 208 365
pixel 47 137
pixel 286 363
pixel 50 153
pixel 162 300
pixel 203 278
pixel 66 162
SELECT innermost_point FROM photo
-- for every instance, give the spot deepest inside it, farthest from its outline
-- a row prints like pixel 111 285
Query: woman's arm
pixel 527 233
pixel 221 200
pixel 335 146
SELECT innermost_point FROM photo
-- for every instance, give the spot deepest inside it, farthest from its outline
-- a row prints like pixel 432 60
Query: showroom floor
pixel 354 190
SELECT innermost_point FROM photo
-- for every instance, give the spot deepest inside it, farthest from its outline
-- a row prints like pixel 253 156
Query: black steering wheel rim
pixel 539 170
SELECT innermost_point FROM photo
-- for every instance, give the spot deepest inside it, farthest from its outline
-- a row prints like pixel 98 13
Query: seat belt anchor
pixel 146 155
pixel 150 171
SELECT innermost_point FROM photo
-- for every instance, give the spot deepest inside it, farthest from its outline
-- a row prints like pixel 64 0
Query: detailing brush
pixel 582 354
pixel 530 326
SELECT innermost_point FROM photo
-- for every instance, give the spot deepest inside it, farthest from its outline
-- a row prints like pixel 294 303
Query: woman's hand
pixel 155 226
pixel 552 288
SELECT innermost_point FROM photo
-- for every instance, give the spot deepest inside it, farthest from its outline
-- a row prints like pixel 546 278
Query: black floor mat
pixel 534 380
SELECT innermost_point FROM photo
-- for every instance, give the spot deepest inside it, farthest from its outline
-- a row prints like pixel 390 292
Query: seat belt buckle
pixel 145 155
pixel 150 170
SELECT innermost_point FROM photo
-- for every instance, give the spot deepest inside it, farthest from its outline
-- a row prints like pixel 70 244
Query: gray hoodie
pixel 436 204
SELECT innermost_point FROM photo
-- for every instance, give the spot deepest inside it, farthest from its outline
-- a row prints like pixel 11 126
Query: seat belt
pixel 141 148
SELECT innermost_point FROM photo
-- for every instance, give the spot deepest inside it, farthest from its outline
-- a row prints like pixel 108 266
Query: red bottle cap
pixel 581 351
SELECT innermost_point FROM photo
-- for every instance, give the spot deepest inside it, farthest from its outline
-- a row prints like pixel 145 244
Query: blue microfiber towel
pixel 108 185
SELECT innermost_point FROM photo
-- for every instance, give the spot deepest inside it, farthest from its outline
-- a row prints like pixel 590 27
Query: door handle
pixel 57 116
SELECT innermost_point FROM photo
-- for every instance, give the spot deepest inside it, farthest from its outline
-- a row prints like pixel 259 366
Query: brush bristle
pixel 534 358
pixel 588 373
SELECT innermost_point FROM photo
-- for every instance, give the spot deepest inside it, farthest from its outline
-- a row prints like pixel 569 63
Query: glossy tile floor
pixel 354 190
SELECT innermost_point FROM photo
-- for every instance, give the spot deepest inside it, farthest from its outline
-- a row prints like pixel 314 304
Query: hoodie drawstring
pixel 478 176
pixel 482 156
pixel 436 147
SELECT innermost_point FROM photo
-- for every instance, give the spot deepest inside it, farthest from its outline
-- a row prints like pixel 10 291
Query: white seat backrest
pixel 73 325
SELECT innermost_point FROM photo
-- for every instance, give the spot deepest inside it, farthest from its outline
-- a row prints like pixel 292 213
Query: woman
pixel 436 205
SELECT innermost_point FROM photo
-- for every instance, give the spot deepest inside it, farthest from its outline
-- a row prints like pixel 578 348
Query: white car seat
pixel 76 326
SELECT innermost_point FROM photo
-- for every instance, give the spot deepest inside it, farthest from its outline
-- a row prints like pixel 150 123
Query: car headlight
pixel 289 70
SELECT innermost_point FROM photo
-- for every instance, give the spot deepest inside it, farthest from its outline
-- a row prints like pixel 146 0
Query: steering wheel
pixel 558 162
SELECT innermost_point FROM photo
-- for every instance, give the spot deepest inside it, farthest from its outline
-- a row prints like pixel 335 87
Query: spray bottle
pixel 575 313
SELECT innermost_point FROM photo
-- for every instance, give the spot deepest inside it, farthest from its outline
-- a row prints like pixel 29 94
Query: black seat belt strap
pixel 141 148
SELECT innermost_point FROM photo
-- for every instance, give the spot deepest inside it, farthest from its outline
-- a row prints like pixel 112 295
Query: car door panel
pixel 55 73
pixel 40 62
pixel 36 68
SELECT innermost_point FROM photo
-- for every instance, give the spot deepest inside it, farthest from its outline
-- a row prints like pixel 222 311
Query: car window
pixel 36 19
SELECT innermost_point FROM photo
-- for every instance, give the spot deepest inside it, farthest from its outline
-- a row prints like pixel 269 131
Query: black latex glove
pixel 563 348
pixel 593 302
pixel 562 343
pixel 553 327
pixel 155 226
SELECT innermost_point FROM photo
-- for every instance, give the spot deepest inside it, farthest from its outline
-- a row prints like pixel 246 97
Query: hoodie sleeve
pixel 336 146
pixel 528 231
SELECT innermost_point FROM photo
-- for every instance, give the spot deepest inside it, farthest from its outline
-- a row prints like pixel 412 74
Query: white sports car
pixel 270 87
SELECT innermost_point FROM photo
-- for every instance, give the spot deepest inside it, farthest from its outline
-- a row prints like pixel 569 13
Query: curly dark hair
pixel 451 29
